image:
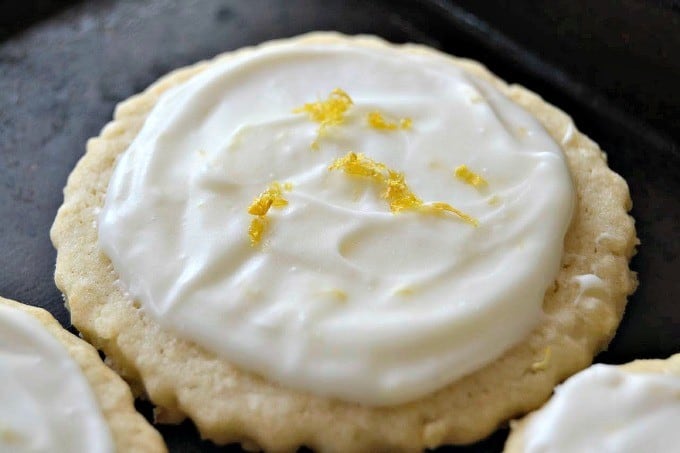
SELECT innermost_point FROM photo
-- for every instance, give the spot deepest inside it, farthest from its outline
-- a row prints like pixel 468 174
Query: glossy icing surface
pixel 606 409
pixel 342 296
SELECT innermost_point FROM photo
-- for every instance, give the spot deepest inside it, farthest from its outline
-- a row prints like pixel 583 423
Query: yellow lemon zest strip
pixel 494 200
pixel 271 197
pixel 543 363
pixel 377 121
pixel 466 175
pixel 405 291
pixel 439 207
pixel 256 229
pixel 359 165
pixel 397 193
pixel 330 112
pixel 338 294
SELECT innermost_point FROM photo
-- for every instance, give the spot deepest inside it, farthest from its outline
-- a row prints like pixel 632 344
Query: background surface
pixel 613 65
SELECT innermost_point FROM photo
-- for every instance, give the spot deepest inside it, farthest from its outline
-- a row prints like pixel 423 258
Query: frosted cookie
pixel 345 244
pixel 58 396
pixel 629 408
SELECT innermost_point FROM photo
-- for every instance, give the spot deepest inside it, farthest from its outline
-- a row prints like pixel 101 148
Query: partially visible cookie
pixel 627 408
pixel 46 403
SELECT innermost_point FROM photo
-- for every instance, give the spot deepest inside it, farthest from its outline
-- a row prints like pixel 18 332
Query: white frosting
pixel 428 298
pixel 46 404
pixel 606 409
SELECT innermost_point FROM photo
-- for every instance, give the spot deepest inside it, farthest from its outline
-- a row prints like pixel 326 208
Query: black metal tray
pixel 612 65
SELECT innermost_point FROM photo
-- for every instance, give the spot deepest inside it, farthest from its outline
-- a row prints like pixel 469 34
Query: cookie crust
pixel 130 431
pixel 670 366
pixel 230 405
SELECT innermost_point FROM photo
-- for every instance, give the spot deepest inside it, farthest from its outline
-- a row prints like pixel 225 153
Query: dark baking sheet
pixel 612 65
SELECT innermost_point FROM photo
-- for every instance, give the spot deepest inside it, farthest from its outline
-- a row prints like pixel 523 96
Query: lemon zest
pixel 329 112
pixel 440 207
pixel 376 120
pixel 271 197
pixel 397 193
pixel 543 363
pixel 494 200
pixel 338 294
pixel 405 291
pixel 256 230
pixel 359 165
pixel 466 175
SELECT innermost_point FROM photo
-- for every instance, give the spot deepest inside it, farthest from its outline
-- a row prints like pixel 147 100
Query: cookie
pixel 264 363
pixel 57 393
pixel 625 408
